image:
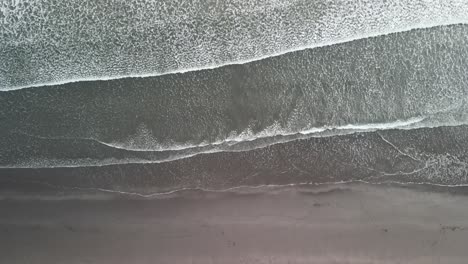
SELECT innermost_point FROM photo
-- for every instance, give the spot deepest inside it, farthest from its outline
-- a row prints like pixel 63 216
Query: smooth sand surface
pixel 333 224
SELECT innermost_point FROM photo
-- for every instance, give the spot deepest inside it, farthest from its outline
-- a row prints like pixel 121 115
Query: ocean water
pixel 143 97
pixel 52 42
pixel 233 131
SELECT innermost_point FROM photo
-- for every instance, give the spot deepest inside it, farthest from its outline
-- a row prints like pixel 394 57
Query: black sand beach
pixel 233 131
pixel 328 224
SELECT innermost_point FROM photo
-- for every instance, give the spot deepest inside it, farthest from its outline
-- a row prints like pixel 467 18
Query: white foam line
pixel 240 138
pixel 367 127
pixel 358 128
pixel 111 162
pixel 244 187
pixel 397 149
pixel 214 66
pixel 155 194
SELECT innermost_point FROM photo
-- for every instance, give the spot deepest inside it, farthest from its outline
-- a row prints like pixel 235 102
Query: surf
pixel 214 66
pixel 240 143
pixel 336 22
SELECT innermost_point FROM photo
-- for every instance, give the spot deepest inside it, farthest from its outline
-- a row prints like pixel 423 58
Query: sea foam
pixel 50 43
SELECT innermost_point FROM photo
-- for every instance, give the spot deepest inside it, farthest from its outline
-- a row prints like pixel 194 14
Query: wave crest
pixel 80 41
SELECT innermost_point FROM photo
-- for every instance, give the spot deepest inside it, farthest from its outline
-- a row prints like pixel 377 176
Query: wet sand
pixel 328 224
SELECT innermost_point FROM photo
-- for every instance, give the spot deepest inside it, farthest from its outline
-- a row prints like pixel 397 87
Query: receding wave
pixel 316 189
pixel 276 131
pixel 244 142
pixel 87 40
pixel 423 156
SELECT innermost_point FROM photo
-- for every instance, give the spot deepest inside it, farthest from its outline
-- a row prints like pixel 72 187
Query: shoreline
pixel 352 224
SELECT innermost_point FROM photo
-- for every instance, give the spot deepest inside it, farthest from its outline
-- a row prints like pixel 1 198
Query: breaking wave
pixel 246 141
pixel 51 43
